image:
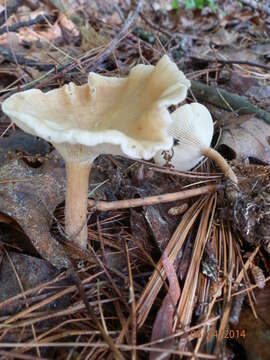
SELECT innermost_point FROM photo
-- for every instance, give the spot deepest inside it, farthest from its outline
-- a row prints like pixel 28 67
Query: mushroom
pixel 192 128
pixel 109 115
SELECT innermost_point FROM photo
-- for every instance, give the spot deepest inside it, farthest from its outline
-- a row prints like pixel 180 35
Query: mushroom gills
pixel 192 129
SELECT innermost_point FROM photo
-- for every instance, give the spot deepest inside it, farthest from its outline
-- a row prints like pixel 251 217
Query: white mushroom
pixel 192 128
pixel 126 116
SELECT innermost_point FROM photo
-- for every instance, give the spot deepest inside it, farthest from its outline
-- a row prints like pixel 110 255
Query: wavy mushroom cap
pixel 125 116
pixel 192 127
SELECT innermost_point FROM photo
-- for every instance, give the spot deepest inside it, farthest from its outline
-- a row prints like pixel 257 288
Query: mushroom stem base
pixel 76 202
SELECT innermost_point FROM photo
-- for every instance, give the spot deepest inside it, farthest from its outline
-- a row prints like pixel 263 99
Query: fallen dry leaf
pixel 158 225
pixel 163 326
pixel 91 39
pixel 254 333
pixel 30 196
pixel 23 142
pixel 223 37
pixel 247 139
pixel 68 25
pixel 19 273
pixel 32 272
pixel 140 232
pixel 240 83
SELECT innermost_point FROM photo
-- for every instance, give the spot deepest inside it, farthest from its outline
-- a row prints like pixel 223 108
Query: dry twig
pixel 119 37
pixel 151 200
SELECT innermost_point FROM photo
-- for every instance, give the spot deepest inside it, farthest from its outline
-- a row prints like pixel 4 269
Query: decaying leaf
pixel 254 333
pixel 209 264
pixel 20 273
pixel 236 308
pixel 249 139
pixel 140 232
pixel 91 39
pixel 31 272
pixel 158 225
pixel 258 276
pixel 224 37
pixel 23 142
pixel 30 196
pixel 163 325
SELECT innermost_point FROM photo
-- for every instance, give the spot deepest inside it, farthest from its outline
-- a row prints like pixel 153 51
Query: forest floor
pixel 185 278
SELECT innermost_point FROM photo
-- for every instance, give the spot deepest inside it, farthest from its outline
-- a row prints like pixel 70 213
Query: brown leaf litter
pixel 247 137
pixel 30 196
pixel 248 206
pixel 214 245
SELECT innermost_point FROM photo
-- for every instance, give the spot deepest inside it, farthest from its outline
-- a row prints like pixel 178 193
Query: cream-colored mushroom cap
pixel 108 115
pixel 192 128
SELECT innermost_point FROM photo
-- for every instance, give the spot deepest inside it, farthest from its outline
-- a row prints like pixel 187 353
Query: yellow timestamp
pixel 228 334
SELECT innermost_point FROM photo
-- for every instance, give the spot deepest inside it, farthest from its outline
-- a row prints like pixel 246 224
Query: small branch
pixel 155 27
pixel 40 19
pixel 216 96
pixel 231 62
pixel 151 200
pixel 119 37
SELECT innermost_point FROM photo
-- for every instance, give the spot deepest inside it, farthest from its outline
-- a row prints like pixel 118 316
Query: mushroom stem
pixel 76 202
pixel 221 162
